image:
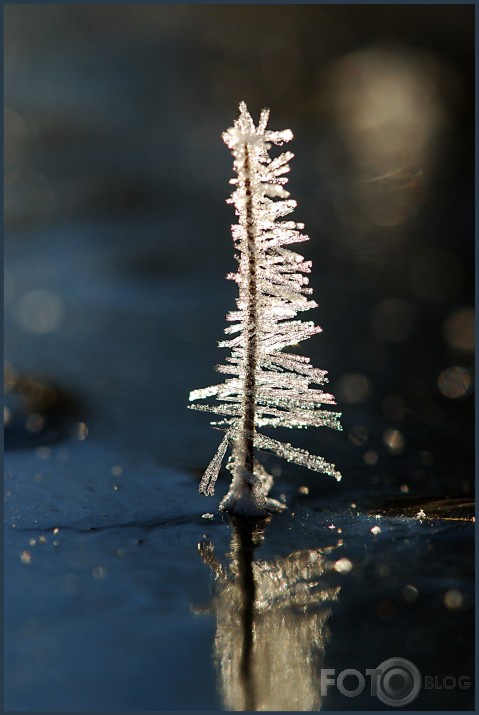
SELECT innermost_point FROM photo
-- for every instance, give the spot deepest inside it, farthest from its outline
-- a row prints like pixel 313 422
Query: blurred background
pixel 117 232
pixel 117 241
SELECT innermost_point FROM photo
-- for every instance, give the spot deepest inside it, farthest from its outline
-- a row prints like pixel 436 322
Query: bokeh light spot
pixel 354 388
pixel 79 431
pixel 343 565
pixel 389 106
pixel 410 593
pixel 371 457
pixel 394 441
pixel 454 382
pixel 39 311
pixel 358 435
pixel 453 599
pixel 459 329
pixel 34 423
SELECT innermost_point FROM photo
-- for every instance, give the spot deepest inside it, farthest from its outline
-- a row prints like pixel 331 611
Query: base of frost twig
pixel 249 502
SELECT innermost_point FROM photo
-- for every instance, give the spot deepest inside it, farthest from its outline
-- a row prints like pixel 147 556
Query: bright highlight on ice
pixel 268 387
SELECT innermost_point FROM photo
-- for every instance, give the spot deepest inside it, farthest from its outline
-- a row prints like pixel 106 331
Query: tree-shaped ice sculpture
pixel 269 387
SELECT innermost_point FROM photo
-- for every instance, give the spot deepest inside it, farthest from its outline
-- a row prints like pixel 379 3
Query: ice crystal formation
pixel 267 387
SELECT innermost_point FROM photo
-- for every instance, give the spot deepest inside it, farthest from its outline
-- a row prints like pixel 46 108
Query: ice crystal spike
pixel 268 387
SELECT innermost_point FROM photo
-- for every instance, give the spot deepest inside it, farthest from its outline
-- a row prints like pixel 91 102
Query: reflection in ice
pixel 271 627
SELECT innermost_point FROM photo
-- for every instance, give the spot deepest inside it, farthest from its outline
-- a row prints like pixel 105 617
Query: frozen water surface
pixel 127 598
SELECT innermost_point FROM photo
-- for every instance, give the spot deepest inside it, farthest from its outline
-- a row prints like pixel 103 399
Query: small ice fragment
pixel 420 515
pixel 375 530
pixel 207 516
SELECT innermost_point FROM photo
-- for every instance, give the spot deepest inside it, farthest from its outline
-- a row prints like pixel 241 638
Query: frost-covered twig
pixel 268 387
